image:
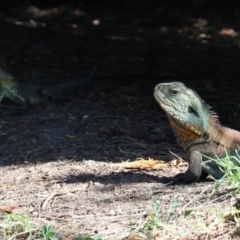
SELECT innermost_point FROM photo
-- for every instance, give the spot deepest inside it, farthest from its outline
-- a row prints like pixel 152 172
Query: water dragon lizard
pixel 29 94
pixel 197 129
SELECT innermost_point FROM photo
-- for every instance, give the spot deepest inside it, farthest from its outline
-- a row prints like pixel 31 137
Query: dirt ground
pixel 68 147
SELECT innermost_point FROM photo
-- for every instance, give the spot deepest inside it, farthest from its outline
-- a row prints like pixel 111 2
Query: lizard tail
pixel 57 91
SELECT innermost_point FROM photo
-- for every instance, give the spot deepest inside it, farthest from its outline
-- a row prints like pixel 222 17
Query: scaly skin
pixel 30 94
pixel 196 128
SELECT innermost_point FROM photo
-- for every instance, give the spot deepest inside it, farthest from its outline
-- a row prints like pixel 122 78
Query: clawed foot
pixel 188 177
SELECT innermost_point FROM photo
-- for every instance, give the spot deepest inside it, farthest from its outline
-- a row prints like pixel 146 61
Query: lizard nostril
pixel 159 87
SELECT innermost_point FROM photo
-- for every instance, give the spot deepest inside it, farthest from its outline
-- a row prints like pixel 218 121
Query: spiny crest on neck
pixel 213 114
pixel 214 117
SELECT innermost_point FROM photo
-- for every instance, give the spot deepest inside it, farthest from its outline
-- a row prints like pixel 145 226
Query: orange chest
pixel 184 134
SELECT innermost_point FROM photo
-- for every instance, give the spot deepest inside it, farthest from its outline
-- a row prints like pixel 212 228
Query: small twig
pixel 136 142
pixel 107 117
pixel 60 193
pixel 125 152
pixel 56 218
pixel 175 155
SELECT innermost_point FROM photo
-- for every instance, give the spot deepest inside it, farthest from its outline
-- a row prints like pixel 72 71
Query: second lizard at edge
pixel 30 94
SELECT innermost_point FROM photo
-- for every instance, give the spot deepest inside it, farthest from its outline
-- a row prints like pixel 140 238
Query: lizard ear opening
pixel 193 111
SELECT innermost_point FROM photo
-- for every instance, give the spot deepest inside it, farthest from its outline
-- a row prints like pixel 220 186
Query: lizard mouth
pixel 160 96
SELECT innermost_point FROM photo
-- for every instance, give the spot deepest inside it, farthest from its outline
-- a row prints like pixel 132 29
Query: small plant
pixel 172 208
pixel 16 226
pixel 230 165
pixel 47 233
pixel 154 218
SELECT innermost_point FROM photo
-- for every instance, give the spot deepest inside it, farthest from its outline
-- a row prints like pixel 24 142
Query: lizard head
pixel 183 107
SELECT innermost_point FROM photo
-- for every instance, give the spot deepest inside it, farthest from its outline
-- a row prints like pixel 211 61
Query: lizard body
pixel 30 94
pixel 24 93
pixel 197 129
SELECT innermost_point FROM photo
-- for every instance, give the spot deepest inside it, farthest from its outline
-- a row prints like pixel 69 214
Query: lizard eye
pixel 174 91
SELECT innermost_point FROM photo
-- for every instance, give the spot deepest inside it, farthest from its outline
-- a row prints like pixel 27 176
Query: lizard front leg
pixel 1 94
pixel 194 171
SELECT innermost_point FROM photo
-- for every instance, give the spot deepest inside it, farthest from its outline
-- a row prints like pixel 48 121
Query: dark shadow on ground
pixel 43 44
pixel 130 177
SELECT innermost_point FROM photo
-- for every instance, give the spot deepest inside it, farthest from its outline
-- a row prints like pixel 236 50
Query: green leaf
pixel 98 236
pixel 44 230
pixel 70 136
pixel 81 237
pixel 187 212
pixel 51 234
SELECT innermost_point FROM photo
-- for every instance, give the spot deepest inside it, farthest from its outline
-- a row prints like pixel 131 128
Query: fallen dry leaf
pixel 22 236
pixel 7 209
pixel 157 236
pixel 141 163
pixel 228 32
